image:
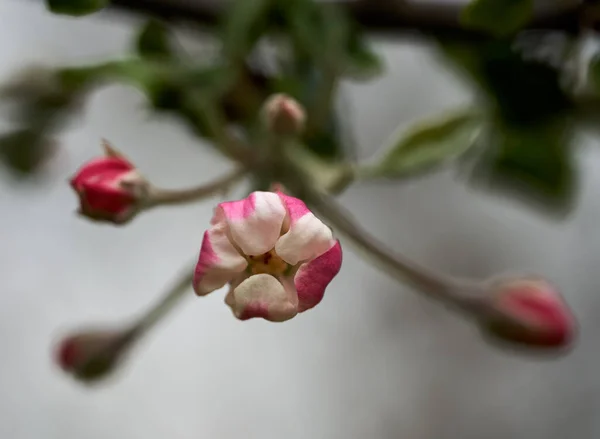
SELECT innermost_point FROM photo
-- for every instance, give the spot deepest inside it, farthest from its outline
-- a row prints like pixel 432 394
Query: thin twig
pixel 166 302
pixel 161 197
pixel 462 294
pixel 324 99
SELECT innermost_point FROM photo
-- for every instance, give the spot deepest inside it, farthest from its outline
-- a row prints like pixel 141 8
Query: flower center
pixel 267 263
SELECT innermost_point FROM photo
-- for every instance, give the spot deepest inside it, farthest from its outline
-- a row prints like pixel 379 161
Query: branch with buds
pixel 94 353
pixel 524 310
pixel 276 251
pixel 276 257
pixel 111 189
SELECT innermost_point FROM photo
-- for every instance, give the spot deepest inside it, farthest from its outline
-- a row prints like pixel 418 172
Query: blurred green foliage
pixel 76 7
pixel 522 125
pixel 25 151
pixel 497 17
pixel 522 90
pixel 154 41
pixel 429 144
pixel 530 120
pixel 536 159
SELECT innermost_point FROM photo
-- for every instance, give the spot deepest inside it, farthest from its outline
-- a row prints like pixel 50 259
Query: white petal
pixel 254 222
pixel 262 295
pixel 219 261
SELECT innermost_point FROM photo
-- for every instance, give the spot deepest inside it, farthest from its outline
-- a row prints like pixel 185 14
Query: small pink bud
pixel 92 355
pixel 109 188
pixel 531 312
pixel 284 115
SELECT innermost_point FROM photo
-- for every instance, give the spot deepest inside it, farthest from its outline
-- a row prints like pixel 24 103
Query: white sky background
pixel 372 361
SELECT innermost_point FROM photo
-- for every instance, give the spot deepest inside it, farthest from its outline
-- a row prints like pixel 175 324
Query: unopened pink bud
pixel 109 188
pixel 531 312
pixel 92 355
pixel 284 115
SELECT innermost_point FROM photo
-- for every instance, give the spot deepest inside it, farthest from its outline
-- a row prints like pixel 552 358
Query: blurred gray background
pixel 372 361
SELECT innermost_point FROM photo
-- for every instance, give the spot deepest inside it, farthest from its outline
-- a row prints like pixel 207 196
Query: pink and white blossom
pixel 276 256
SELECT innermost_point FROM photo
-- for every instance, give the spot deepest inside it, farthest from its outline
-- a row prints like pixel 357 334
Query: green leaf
pixel 143 74
pixel 335 29
pixel 464 58
pixel 288 85
pixel 497 17
pixel 594 71
pixel 528 151
pixel 244 24
pixel 523 91
pixel 76 7
pixel 320 32
pixel 153 40
pixel 25 151
pixel 323 34
pixel 428 145
pixel 303 23
pixel 535 162
pixel 325 143
pixel 169 86
pixel 362 62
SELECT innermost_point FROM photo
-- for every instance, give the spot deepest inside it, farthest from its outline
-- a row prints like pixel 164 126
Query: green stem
pixel 161 197
pixel 332 178
pixel 318 114
pixel 464 295
pixel 165 304
pixel 107 356
pixel 217 126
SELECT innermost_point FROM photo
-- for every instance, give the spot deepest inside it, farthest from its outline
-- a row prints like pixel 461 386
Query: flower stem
pixel 103 360
pixel 462 294
pixel 320 112
pixel 166 303
pixel 161 197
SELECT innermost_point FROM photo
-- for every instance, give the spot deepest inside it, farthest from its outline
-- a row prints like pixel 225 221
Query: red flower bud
pixel 92 355
pixel 530 312
pixel 109 188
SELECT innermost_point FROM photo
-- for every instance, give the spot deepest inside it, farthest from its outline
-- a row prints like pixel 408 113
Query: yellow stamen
pixel 267 263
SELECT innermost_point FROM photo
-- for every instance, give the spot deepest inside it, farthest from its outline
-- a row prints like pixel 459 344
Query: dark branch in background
pixel 200 12
pixel 376 16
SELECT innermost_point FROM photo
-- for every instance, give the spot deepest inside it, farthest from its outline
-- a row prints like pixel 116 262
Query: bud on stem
pixel 111 189
pixel 283 115
pixel 530 312
pixel 527 311
pixel 93 354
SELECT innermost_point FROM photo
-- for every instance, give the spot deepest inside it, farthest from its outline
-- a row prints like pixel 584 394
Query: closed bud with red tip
pixel 283 115
pixel 530 312
pixel 92 355
pixel 110 188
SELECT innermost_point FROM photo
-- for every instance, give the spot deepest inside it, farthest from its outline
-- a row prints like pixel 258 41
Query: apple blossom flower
pixel 275 254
